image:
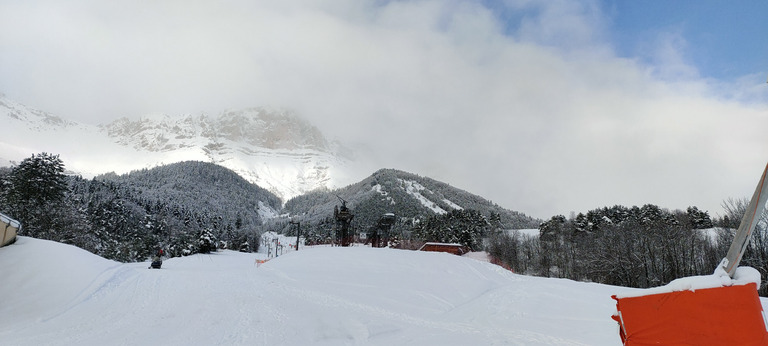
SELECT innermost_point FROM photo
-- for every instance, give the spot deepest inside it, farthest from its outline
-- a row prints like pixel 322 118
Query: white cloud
pixel 544 119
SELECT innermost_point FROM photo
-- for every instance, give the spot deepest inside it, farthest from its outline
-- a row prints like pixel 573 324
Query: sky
pixel 544 107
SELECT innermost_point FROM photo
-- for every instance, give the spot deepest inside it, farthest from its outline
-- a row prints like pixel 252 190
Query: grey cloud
pixel 544 120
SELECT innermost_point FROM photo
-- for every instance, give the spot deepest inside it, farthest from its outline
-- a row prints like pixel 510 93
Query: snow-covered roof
pixel 6 219
pixel 442 244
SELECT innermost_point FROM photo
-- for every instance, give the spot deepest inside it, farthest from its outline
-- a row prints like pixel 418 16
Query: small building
pixel 8 229
pixel 453 248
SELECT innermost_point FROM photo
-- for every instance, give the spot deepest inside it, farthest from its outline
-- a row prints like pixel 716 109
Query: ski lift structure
pixel 343 217
pixel 297 226
pixel 379 234
pixel 721 309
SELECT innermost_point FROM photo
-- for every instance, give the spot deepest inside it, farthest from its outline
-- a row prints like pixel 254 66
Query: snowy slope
pixel 60 295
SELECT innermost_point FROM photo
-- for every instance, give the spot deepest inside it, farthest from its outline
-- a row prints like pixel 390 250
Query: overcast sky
pixel 544 107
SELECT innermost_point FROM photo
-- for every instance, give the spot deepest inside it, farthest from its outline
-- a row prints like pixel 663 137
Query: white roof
pixel 6 219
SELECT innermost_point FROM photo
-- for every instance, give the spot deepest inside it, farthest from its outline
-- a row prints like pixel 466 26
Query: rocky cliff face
pixel 253 127
pixel 32 119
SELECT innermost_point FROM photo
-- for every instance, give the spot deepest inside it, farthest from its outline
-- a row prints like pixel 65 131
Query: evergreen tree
pixel 38 180
pixel 699 219
pixel 35 189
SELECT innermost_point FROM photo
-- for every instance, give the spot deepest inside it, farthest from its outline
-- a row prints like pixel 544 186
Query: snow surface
pixel 414 189
pixel 452 205
pixel 528 232
pixel 61 295
pixel 378 188
pixel 56 294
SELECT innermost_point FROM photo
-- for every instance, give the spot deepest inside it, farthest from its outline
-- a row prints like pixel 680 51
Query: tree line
pixel 633 247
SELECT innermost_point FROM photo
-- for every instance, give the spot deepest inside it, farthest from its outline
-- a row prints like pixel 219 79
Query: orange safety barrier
pixel 731 315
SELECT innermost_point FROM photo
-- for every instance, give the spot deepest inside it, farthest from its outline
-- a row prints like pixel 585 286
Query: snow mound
pixel 42 275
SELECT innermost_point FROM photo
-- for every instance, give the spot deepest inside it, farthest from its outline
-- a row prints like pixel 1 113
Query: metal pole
pixel 298 232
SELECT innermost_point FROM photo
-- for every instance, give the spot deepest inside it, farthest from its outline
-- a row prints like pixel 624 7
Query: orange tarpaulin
pixel 730 315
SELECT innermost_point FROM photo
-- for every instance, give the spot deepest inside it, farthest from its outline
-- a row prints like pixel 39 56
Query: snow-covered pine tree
pixel 699 219
pixel 36 187
pixel 206 242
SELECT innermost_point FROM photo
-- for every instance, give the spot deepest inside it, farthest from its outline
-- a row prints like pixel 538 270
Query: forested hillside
pixel 191 207
pixel 411 198
pixel 183 208
pixel 204 187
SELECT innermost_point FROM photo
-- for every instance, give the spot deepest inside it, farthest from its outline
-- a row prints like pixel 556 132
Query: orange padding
pixel 729 315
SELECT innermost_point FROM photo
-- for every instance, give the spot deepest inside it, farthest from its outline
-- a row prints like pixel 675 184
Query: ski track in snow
pixel 60 295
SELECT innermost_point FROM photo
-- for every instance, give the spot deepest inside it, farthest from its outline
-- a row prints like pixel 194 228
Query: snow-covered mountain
pixel 34 119
pixel 273 148
pixel 402 193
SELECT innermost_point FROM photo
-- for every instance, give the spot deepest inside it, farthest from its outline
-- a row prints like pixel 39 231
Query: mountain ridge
pixel 274 148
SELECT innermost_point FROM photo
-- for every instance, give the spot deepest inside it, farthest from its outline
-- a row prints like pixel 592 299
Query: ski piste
pixel 748 223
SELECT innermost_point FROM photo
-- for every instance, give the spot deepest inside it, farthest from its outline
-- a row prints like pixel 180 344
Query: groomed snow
pixel 55 294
